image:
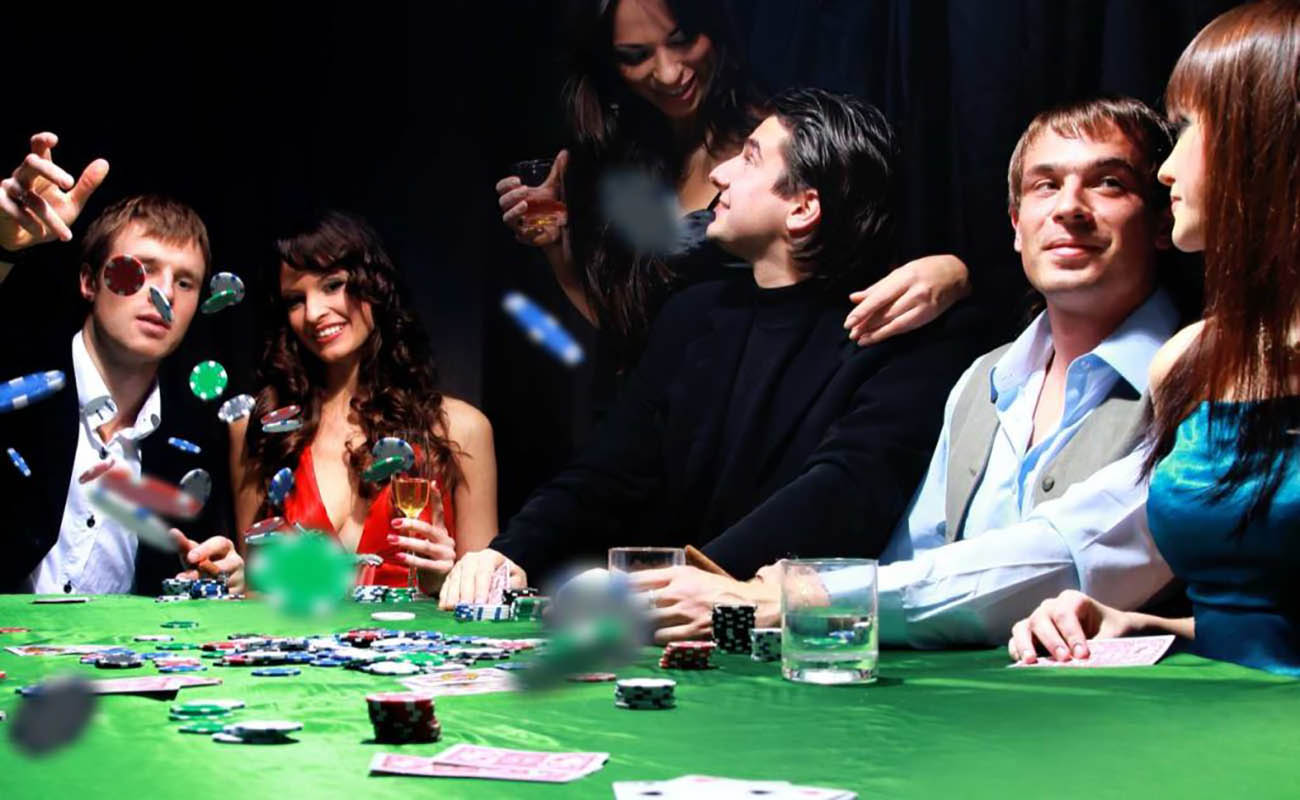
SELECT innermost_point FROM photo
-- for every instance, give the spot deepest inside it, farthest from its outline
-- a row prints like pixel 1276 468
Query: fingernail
pixel 1028 657
pixel 399 522
pixel 1080 651
pixel 1062 654
pixel 393 539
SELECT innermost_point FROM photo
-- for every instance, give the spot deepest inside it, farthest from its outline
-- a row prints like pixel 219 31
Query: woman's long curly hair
pixel 397 392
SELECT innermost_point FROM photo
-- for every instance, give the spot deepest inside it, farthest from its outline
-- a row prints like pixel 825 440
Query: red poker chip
pixel 210 646
pixel 152 493
pixel 124 275
pixel 268 525
pixel 280 415
pixel 692 645
pixel 593 677
pixel 15 630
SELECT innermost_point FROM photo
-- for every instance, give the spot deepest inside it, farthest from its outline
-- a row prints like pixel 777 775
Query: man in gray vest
pixel 1033 487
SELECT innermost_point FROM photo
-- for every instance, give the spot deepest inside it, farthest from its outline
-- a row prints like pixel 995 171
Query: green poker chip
pixel 180 623
pixel 219 300
pixel 208 380
pixel 384 468
pixel 202 726
pixel 177 646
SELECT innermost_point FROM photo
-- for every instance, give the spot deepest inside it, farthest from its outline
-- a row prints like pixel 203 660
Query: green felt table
pixel 937 725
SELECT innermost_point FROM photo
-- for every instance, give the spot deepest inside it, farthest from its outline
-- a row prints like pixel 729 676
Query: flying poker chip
pixel 197 483
pixel 124 275
pixel 146 525
pixel 184 445
pixel 281 486
pixel 226 288
pixel 162 304
pixel 542 328
pixel 383 469
pixel 394 446
pixel 280 415
pixel 151 493
pixel 208 380
pixel 283 426
pixel 268 525
pixel 304 575
pixel 237 407
pixel 644 211
pixel 99 411
pixel 218 301
pixel 22 392
pixel 20 463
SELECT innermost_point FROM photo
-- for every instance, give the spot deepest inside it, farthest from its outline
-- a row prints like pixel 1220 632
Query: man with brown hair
pixel 55 540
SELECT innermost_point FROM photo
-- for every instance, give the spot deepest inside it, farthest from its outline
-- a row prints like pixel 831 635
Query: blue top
pixel 1242 585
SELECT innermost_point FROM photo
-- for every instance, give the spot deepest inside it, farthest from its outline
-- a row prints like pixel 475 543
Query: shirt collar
pixel 90 384
pixel 1128 350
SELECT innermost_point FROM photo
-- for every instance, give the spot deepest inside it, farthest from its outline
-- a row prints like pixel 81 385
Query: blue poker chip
pixel 513 665
pixel 184 445
pixel 181 668
pixel 281 486
pixel 277 672
pixel 22 392
pixel 20 463
pixel 162 304
pixel 298 658
pixel 160 654
pixel 542 328
pixel 328 662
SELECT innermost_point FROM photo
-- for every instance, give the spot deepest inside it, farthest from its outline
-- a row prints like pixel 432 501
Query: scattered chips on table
pixel 208 380
pixel 281 486
pixel 19 463
pixel 162 304
pixel 542 328
pixel 237 407
pixel 124 275
pixel 184 445
pixel 197 483
pixel 22 392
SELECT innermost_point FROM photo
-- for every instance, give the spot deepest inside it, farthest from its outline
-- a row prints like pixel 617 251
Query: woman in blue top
pixel 1224 499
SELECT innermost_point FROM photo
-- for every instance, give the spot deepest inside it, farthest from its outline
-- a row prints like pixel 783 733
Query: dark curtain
pixel 408 113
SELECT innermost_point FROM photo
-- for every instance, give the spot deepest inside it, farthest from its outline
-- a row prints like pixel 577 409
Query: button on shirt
pixel 1013 554
pixel 94 554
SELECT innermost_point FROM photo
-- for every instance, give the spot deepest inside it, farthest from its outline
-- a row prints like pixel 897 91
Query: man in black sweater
pixel 753 427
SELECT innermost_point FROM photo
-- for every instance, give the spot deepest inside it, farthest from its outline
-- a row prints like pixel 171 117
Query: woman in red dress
pixel 346 349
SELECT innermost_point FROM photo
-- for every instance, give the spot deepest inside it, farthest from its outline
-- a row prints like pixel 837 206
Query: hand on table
pixel 682 599
pixel 471 577
pixel 427 547
pixel 907 298
pixel 1063 625
pixel 513 198
pixel 40 201
pixel 209 559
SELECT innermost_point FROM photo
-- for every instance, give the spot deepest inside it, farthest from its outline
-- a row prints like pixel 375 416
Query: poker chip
pixel 181 668
pixel 369 593
pixel 399 594
pixel 180 623
pixel 22 392
pixel 392 616
pixel 732 623
pixel 12 629
pixel 184 445
pixel 281 486
pixel 592 677
pixel 227 738
pixel 280 415
pixel 178 646
pixel 207 589
pixel 382 469
pixel 154 637
pixel 399 717
pixel 202 726
pixel 644 694
pixel 19 463
pixel 174 586
pixel 392 668
pixel 218 301
pixel 390 446
pixel 208 380
pixel 197 483
pixel 268 525
pixel 263 728
pixel 687 655
pixel 328 662
pixel 765 644
pixel 150 493
pixel 510 595
pixel 237 407
pixel 542 328
pixel 162 304
pixel 283 426
pixel 277 672
pixel 96 412
pixel 141 521
pixel 124 275
pixel 118 661
pixel 529 607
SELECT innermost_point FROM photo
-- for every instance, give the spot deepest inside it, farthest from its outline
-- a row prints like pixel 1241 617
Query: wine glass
pixel 410 495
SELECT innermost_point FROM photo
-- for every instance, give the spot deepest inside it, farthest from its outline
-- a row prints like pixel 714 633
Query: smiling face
pixel 1184 173
pixel 1083 229
pixel 329 322
pixel 664 65
pixel 750 218
pixel 129 328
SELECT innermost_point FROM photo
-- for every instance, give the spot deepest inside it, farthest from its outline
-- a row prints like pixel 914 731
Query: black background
pixel 409 113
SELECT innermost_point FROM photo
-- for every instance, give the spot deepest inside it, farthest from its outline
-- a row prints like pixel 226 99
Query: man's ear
pixel 1015 226
pixel 88 283
pixel 806 214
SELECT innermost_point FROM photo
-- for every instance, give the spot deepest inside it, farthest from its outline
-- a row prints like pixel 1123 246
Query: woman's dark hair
pixel 846 150
pixel 1240 76
pixel 397 392
pixel 612 127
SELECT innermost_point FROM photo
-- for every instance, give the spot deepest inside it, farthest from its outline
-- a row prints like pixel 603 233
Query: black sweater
pixel 755 429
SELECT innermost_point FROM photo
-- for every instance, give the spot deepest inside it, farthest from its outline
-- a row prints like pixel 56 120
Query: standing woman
pixel 659 86
pixel 344 346
pixel 1224 499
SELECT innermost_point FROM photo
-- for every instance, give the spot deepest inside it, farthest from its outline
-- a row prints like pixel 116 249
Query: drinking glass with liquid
pixel 828 620
pixel 545 208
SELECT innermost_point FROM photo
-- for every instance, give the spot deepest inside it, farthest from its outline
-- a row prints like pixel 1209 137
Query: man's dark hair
pixel 846 150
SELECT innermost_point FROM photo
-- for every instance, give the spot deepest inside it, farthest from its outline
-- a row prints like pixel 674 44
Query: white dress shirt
pixel 1014 554
pixel 94 554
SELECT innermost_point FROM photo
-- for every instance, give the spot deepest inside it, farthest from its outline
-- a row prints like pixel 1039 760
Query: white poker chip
pixel 197 483
pixel 394 446
pixel 392 668
pixel 255 727
pixel 227 282
pixel 392 616
pixel 99 410
pixel 154 637
pixel 647 683
pixel 237 407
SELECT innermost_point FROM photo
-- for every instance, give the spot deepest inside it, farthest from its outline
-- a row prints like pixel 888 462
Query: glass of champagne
pixel 410 495
pixel 544 210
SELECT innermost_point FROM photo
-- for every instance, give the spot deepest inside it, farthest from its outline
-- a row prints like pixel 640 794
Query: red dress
pixel 304 506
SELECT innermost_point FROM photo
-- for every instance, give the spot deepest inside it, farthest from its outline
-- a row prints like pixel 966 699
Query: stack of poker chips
pixel 509 596
pixel 732 623
pixel 530 607
pixel 399 594
pixel 369 594
pixel 176 586
pixel 120 660
pixel 765 644
pixel 687 655
pixel 645 694
pixel 204 716
pixel 472 612
pixel 403 717
pixel 207 588
pixel 269 731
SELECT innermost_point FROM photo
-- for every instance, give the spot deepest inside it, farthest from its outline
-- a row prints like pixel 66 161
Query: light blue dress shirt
pixel 1014 554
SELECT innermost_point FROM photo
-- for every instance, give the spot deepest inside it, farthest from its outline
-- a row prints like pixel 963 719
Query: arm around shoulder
pixel 475 499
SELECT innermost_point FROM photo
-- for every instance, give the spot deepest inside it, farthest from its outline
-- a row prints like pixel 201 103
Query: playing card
pixel 462 682
pixel 161 684
pixel 497 587
pixel 58 649
pixel 472 761
pixel 1132 651
pixel 709 787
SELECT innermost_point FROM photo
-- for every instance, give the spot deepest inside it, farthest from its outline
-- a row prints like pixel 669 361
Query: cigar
pixel 697 559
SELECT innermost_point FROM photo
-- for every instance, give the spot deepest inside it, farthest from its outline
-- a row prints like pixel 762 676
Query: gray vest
pixel 1109 433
